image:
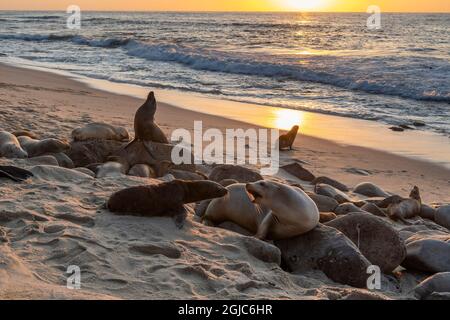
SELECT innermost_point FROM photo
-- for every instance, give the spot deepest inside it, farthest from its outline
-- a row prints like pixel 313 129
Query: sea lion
pixel 164 199
pixel 329 191
pixel 145 128
pixel 10 146
pixel 36 148
pixel 236 207
pixel 142 170
pixel 402 209
pixel 14 173
pixel 100 131
pixel 287 140
pixel 292 212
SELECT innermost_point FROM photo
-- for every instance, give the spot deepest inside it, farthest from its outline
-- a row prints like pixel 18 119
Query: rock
pixel 63 160
pixel 328 250
pixel 442 216
pixel 262 250
pixel 329 191
pixel 370 190
pixel 46 160
pixel 298 171
pixel 345 208
pixel 419 123
pixel 142 170
pixel 377 240
pixel 231 226
pixel 397 129
pixel 406 127
pixel 428 255
pixel 427 212
pixel 438 283
pixel 84 153
pixel 53 173
pixel 373 209
pixel 228 182
pixel 324 203
pixel 187 175
pixel 357 171
pixel 85 171
pixel 327 216
pixel 239 173
pixel 331 182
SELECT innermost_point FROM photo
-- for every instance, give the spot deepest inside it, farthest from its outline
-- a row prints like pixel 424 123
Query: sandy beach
pixel 47 224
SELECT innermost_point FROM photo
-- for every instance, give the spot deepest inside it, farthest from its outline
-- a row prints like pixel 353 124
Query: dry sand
pixel 50 222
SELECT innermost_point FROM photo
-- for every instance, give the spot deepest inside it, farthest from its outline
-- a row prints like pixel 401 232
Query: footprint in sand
pixel 167 249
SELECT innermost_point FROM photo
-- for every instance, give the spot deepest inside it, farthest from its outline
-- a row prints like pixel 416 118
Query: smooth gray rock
pixel 262 250
pixel 373 209
pixel 328 250
pixel 324 203
pixel 331 182
pixel 298 171
pixel 438 283
pixel 428 255
pixel 239 173
pixel 346 208
pixel 377 240
pixel 329 191
pixel 370 190
pixel 442 216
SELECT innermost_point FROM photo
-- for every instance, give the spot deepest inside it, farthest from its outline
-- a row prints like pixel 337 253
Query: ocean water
pixel 321 62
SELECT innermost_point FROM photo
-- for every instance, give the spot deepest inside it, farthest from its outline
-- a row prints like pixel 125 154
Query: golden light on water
pixel 286 119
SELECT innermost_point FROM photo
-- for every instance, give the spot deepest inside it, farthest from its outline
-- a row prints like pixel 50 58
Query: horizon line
pixel 221 11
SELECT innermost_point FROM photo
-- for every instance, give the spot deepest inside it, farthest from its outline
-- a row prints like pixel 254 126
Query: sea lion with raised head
pixel 10 146
pixel 402 209
pixel 145 128
pixel 36 148
pixel 292 212
pixel 287 140
pixel 165 199
pixel 100 131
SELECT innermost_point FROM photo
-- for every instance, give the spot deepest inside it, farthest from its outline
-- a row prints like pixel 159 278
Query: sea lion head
pixel 294 129
pixel 415 194
pixel 57 145
pixel 195 191
pixel 260 192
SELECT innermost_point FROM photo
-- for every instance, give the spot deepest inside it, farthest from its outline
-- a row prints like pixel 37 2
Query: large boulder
pixel 428 252
pixel 427 212
pixel 84 153
pixel 376 239
pixel 345 208
pixel 329 191
pixel 328 250
pixel 370 190
pixel 373 209
pixel 239 173
pixel 324 203
pixel 298 171
pixel 262 250
pixel 442 216
pixel 438 283
pixel 338 185
pixel 53 173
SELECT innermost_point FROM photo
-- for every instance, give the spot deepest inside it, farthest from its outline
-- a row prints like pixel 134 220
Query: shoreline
pixel 73 103
pixel 337 129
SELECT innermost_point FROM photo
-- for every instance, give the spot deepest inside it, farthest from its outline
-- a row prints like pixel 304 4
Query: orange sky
pixel 232 5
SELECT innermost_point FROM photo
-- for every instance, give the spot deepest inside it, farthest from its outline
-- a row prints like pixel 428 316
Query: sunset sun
pixel 304 4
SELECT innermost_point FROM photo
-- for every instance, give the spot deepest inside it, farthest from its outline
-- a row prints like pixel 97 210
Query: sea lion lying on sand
pixel 100 131
pixel 402 209
pixel 36 148
pixel 287 140
pixel 164 199
pixel 10 146
pixel 145 128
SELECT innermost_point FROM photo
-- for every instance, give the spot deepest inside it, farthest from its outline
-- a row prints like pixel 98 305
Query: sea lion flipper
pixel 14 173
pixel 179 218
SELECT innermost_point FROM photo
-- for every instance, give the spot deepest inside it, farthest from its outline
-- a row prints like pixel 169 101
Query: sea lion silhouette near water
pixel 287 140
pixel 165 199
pixel 145 128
